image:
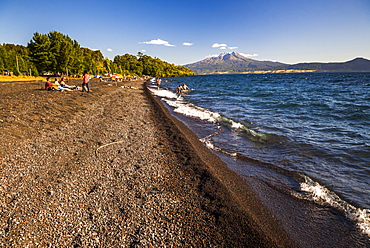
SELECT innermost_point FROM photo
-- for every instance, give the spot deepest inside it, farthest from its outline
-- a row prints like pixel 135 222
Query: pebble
pixel 123 196
pixel 107 176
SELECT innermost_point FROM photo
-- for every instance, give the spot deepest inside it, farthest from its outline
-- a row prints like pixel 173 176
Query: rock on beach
pixel 112 168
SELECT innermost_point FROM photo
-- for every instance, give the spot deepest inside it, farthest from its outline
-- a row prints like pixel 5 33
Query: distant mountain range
pixel 355 65
pixel 237 63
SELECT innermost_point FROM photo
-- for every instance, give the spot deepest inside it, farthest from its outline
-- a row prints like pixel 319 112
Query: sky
pixel 183 32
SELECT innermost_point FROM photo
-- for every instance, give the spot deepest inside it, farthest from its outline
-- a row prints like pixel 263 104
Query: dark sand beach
pixel 113 168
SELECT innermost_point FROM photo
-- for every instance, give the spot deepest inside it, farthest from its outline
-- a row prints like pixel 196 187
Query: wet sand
pixel 113 168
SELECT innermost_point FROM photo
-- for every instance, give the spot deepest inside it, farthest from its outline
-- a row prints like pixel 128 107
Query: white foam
pixel 208 143
pixel 236 125
pixel 163 93
pixel 183 107
pixel 324 196
pixel 189 109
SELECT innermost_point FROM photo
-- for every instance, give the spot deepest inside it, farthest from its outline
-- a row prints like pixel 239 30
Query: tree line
pixel 56 53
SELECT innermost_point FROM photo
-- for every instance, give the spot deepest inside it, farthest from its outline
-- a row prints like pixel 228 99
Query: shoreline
pixel 308 221
pixel 243 201
pixel 110 168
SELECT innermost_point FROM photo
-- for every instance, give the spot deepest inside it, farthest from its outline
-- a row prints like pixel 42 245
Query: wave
pixel 185 108
pixel 319 194
pixel 208 143
pixel 306 189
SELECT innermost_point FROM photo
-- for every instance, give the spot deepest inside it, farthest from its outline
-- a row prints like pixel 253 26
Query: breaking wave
pixel 185 108
pixel 309 189
pixel 319 194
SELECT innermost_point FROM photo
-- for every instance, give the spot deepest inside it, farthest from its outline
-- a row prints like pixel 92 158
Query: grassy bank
pixel 19 78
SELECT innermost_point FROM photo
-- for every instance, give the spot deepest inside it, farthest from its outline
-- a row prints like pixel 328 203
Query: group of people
pixel 181 89
pixel 59 85
pixel 62 86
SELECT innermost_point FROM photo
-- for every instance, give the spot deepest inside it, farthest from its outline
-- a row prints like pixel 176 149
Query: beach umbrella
pixel 116 75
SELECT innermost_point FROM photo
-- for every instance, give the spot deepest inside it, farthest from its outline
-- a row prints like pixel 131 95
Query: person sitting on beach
pixel 64 86
pixel 57 86
pixel 62 81
pixel 52 86
pixel 48 84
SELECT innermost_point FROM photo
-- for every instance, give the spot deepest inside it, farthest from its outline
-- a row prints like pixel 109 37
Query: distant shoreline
pixel 262 72
pixel 279 72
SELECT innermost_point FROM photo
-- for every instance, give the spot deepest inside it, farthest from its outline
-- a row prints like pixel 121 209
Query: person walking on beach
pixel 86 82
pixel 159 81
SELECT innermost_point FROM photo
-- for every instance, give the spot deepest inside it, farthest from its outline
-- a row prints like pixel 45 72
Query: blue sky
pixel 182 32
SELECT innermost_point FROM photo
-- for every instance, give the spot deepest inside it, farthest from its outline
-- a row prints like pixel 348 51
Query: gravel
pixel 112 174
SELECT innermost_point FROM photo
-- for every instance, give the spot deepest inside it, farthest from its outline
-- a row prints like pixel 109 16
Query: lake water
pixel 305 135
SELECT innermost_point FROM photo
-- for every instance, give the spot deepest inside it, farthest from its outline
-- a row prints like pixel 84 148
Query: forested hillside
pixel 56 53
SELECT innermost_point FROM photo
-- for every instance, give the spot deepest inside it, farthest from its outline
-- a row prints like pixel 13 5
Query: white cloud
pixel 157 42
pixel 187 44
pixel 219 45
pixel 249 55
pixel 109 50
pixel 143 51
pixel 223 46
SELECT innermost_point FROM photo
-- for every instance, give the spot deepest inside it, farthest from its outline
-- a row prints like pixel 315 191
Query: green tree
pixel 107 64
pixel 92 61
pixel 145 65
pixel 75 66
pixel 98 59
pixel 40 51
pixel 16 58
pixel 3 58
pixel 58 53
pixel 63 51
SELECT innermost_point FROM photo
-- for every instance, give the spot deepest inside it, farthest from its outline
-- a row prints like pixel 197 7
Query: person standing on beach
pixel 86 82
pixel 159 81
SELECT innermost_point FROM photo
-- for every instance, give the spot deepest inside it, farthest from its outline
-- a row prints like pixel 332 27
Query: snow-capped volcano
pixel 230 62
